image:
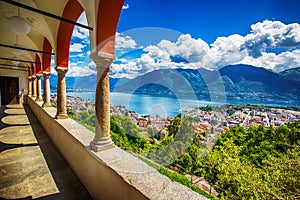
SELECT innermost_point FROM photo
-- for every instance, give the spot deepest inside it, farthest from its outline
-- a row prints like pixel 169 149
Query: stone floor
pixel 30 165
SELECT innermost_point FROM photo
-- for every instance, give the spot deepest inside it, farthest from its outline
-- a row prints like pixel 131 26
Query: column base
pixel 47 105
pixel 102 145
pixel 39 99
pixel 61 116
pixel 33 96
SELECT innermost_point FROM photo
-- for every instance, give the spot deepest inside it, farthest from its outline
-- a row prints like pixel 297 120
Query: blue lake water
pixel 157 105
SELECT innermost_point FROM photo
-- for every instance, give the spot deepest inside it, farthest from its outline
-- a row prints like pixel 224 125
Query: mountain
pixel 291 74
pixel 238 81
pixel 85 82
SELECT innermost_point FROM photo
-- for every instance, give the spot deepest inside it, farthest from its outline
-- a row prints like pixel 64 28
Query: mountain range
pixel 242 82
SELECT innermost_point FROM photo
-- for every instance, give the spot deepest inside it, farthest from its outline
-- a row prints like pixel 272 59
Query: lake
pixel 160 105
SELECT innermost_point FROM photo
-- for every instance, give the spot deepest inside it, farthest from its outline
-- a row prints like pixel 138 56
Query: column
pixel 29 86
pixel 39 88
pixel 47 102
pixel 33 86
pixel 61 112
pixel 102 138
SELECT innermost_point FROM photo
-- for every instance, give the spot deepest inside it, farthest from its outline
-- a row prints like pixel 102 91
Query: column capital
pixel 33 77
pixel 61 70
pixel 102 59
pixel 46 73
pixel 30 77
pixel 39 75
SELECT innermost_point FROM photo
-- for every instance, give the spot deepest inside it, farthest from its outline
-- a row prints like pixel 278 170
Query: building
pixel 31 32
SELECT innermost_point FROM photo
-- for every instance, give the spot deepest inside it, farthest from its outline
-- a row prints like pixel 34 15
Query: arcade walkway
pixel 30 165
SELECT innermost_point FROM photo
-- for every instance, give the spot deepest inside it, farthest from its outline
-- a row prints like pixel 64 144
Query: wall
pixel 108 174
pixel 23 80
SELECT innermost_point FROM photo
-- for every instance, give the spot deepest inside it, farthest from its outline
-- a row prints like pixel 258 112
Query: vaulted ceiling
pixel 41 26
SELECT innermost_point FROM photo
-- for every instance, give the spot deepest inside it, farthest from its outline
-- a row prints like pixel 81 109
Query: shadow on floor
pixel 67 183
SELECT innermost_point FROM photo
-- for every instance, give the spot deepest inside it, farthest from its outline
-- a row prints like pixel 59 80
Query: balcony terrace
pixel 45 154
pixel 33 167
pixel 30 164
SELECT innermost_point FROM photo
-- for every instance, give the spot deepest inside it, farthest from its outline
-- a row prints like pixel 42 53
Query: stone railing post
pixel 47 102
pixel 39 88
pixel 29 86
pixel 61 112
pixel 102 138
pixel 33 86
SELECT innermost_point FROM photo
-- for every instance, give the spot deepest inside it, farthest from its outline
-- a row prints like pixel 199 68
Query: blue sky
pixel 207 19
pixel 155 34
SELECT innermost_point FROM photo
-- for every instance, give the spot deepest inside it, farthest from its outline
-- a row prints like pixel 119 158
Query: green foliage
pixel 70 113
pixel 253 163
pixel 125 134
pixel 180 178
pixel 258 163
pixel 206 108
pixel 174 125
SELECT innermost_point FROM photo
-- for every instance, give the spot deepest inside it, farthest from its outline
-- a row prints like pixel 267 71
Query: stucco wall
pixel 108 174
pixel 23 80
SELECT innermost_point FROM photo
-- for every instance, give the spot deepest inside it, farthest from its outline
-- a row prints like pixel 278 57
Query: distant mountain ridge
pixel 239 82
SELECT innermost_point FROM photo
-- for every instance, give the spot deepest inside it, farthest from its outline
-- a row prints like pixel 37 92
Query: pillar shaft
pixel 61 94
pixel 29 86
pixel 47 102
pixel 39 88
pixel 33 86
pixel 102 138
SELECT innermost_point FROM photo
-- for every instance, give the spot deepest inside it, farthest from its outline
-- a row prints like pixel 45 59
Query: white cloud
pixel 124 42
pixel 186 52
pixel 80 32
pixel 125 6
pixel 76 47
pixel 270 34
pixel 77 55
pixel 75 71
pixel 82 19
pixel 227 50
pixel 280 62
pixel 52 64
pixel 256 48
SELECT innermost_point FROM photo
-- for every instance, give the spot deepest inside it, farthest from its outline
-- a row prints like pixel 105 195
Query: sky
pixel 158 34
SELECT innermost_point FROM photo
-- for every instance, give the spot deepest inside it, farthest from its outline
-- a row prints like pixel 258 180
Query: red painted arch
pixel 72 11
pixel 29 71
pixel 46 64
pixel 107 21
pixel 38 67
pixel 32 70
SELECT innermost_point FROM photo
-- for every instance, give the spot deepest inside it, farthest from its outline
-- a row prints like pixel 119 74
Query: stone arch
pixel 46 58
pixel 72 11
pixel 38 68
pixel 107 20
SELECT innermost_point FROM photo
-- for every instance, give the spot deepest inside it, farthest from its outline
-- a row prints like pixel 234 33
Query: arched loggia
pixel 39 75
pixel 107 20
pixel 72 11
pixel 107 16
pixel 33 78
pixel 29 81
pixel 46 65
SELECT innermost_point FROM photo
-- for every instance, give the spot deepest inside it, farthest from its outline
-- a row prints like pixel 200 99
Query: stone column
pixel 39 88
pixel 61 112
pixel 47 102
pixel 29 86
pixel 102 138
pixel 33 86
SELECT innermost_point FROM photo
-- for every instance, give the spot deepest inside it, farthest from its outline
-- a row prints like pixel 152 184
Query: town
pixel 210 122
